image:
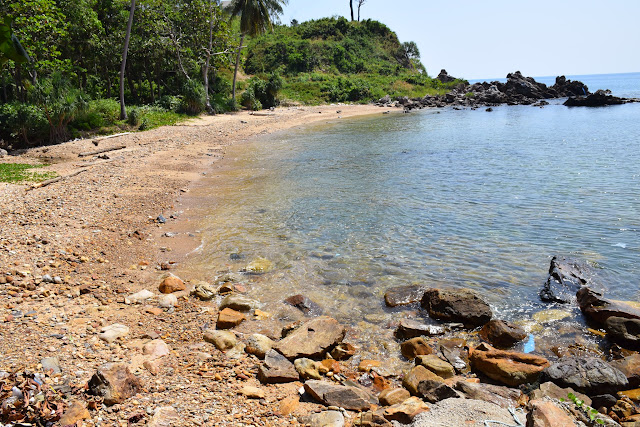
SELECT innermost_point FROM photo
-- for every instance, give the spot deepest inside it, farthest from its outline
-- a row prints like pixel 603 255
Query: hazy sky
pixel 490 38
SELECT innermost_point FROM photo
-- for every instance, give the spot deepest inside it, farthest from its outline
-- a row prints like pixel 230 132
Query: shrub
pixel 22 124
pixel 169 103
pixel 193 98
pixel 133 117
pixel 262 93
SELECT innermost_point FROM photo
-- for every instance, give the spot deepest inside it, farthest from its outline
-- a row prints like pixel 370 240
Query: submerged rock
pixel 403 295
pixel 258 266
pixel 454 305
pixel 502 334
pixel 586 374
pixel 414 347
pixel 304 304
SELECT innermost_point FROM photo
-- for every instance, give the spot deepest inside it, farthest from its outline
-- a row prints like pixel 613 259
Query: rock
pixel 166 416
pixel 454 351
pixel 325 419
pixel 3 153
pixel 444 77
pixel 630 367
pixel 498 395
pixel 545 413
pixel 367 365
pixel 350 398
pixel 139 297
pixel 276 369
pixel 156 349
pixel 603 400
pixel 598 99
pixel 599 309
pixel 252 392
pixel 204 291
pixel 171 284
pixel 551 390
pixel 453 305
pixel 436 365
pixel 312 339
pixel 566 277
pixel 288 405
pixel 502 334
pixel 113 332
pixel 370 419
pixel 114 383
pixel 168 301
pixel 259 266
pixel 586 374
pixel 51 365
pixel 551 315
pixel 228 318
pixel 307 369
pixel 414 347
pixel 417 374
pixel 508 367
pixel 153 365
pixel 393 396
pixel 409 328
pixel 77 411
pixel 625 332
pixel 259 345
pixel 343 351
pixel 153 310
pixel 403 295
pixel 304 304
pixel 434 391
pixel 223 340
pixel 406 411
pixel 239 303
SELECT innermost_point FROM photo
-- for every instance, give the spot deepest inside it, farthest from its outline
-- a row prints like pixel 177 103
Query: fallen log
pixel 96 141
pixel 103 150
pixel 52 180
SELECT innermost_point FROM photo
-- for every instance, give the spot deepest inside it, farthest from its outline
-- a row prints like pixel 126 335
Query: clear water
pixel 450 198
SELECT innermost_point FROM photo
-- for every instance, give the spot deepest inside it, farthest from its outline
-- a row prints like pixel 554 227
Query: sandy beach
pixel 96 233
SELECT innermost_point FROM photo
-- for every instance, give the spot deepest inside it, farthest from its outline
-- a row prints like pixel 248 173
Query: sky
pixel 476 39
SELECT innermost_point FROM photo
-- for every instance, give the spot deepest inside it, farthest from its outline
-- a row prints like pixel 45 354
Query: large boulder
pixel 502 334
pixel 312 339
pixel 527 87
pixel 586 374
pixel 508 367
pixel 625 332
pixel 566 277
pixel 598 309
pixel 330 394
pixel 457 305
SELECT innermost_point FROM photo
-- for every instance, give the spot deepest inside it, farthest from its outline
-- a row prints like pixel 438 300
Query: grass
pixel 19 172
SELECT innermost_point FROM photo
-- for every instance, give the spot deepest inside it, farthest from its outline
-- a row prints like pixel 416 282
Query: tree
pixel 351 7
pixel 255 18
pixel 360 3
pixel 10 47
pixel 123 111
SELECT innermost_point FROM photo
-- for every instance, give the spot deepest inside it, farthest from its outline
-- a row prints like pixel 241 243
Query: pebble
pixel 168 301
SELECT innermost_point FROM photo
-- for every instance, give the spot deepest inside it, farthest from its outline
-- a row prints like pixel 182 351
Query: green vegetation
pixel 592 413
pixel 18 172
pixel 335 60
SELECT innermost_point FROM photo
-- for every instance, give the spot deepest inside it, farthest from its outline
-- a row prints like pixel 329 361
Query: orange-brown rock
pixel 229 318
pixel 415 347
pixel 502 334
pixel 545 413
pixel 367 365
pixel 114 383
pixel 393 396
pixel 418 373
pixel 74 413
pixel 508 367
pixel 406 411
pixel 171 284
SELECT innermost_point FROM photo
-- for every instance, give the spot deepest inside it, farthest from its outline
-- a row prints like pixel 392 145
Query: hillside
pixel 335 60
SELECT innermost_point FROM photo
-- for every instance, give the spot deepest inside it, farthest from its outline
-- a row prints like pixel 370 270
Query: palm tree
pixel 123 64
pixel 255 18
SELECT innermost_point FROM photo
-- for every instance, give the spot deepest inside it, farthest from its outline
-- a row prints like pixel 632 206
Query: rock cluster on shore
pixel 518 90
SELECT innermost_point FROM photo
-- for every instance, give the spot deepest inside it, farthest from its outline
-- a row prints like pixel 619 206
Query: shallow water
pixel 466 198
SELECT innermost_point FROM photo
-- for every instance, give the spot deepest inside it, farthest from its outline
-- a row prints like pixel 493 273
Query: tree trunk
pixel 205 71
pixel 235 72
pixel 351 6
pixel 150 80
pixel 359 6
pixel 123 111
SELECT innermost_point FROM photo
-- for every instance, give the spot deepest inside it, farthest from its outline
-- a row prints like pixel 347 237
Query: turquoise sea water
pixel 465 198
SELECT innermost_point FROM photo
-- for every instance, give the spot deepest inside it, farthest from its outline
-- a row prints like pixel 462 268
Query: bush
pixel 133 117
pixel 22 124
pixel 97 114
pixel 169 103
pixel 193 98
pixel 262 93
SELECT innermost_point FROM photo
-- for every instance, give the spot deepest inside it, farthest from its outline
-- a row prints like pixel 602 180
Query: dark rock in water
pixel 277 369
pixel 403 295
pixel 566 277
pixel 455 305
pixel 312 339
pixel 502 334
pixel 598 309
pixel 625 332
pixel 603 400
pixel 434 391
pixel 630 367
pixel 498 395
pixel 598 99
pixel 304 304
pixel 409 328
pixel 565 88
pixel 444 77
pixel 330 394
pixel 587 375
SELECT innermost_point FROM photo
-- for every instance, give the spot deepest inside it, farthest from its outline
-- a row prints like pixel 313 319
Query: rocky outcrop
pixel 502 334
pixel 598 309
pixel 454 305
pixel 508 367
pixel 444 77
pixel 586 374
pixel 566 277
pixel 599 99
pixel 312 339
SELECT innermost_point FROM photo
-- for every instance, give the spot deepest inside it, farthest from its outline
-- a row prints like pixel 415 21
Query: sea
pixel 466 198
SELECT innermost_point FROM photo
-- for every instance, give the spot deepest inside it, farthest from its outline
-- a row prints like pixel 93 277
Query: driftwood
pixel 103 150
pixel 262 114
pixel 51 181
pixel 98 162
pixel 97 140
